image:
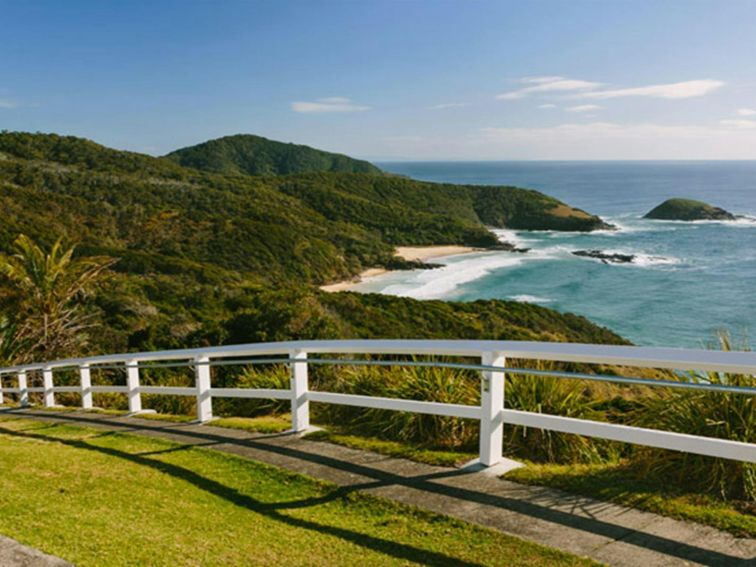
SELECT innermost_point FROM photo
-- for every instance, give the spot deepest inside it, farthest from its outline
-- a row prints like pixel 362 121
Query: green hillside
pixel 197 251
pixel 255 155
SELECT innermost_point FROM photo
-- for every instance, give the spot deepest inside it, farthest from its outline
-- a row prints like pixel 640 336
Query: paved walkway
pixel 13 554
pixel 605 532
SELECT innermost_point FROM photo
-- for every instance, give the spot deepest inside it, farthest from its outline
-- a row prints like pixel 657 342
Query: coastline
pixel 409 253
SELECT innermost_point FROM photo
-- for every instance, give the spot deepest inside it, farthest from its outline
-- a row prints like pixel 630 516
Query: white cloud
pixel 547 105
pixel 449 105
pixel 741 124
pixel 583 108
pixel 685 89
pixel 329 104
pixel 541 85
pixel 746 112
pixel 5 103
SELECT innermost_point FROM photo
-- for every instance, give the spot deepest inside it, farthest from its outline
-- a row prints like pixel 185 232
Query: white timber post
pixel 132 383
pixel 86 386
pixel 300 406
pixel 492 406
pixel 23 389
pixel 2 399
pixel 202 379
pixel 47 382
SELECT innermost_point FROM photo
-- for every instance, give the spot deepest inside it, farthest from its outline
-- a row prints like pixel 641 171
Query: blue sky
pixel 390 80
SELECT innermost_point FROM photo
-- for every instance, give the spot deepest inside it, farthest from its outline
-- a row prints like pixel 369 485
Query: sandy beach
pixel 412 253
pixel 423 253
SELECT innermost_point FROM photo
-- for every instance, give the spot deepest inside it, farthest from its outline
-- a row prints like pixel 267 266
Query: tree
pixel 50 289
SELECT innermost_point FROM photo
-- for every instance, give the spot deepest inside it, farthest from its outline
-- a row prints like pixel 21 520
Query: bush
pixel 409 383
pixel 709 414
pixel 274 377
pixel 555 396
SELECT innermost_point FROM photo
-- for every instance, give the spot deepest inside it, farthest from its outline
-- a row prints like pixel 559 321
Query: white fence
pixel 491 354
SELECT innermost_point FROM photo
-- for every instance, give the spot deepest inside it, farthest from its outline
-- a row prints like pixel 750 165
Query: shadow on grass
pixel 379 478
pixel 387 547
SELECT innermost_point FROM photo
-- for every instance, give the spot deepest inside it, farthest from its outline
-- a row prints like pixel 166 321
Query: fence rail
pixel 492 357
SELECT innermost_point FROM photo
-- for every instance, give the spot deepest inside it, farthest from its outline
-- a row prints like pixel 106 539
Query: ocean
pixel 688 280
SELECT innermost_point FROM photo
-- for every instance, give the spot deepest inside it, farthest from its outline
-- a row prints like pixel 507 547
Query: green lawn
pixel 617 483
pixel 393 448
pixel 102 498
pixel 261 424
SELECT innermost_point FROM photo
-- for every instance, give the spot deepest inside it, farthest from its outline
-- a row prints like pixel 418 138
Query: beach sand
pixel 423 253
pixel 412 253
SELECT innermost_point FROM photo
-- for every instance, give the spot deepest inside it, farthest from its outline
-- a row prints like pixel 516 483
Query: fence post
pixel 202 379
pixel 23 389
pixel 86 386
pixel 2 399
pixel 492 404
pixel 132 383
pixel 47 382
pixel 300 406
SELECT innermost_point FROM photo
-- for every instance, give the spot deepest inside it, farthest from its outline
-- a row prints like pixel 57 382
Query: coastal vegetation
pixel 196 251
pixel 688 210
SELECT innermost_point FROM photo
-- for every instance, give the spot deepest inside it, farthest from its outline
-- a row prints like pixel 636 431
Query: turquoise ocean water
pixel 688 281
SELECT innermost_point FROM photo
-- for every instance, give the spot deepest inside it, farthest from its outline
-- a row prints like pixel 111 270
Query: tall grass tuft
pixel 555 396
pixel 709 414
pixel 409 383
pixel 274 377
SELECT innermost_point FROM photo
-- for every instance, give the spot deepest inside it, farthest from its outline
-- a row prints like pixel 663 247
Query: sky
pixel 390 80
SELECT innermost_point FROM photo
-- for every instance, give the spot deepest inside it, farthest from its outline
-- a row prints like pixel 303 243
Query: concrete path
pixel 13 554
pixel 608 533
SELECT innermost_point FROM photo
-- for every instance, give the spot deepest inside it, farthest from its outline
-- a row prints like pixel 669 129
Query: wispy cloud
pixel 583 108
pixel 5 103
pixel 542 85
pixel 580 89
pixel 746 112
pixel 685 89
pixel 449 105
pixel 329 104
pixel 547 105
pixel 741 124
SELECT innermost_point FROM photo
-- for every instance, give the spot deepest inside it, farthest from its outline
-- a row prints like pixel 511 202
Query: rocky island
pixel 688 210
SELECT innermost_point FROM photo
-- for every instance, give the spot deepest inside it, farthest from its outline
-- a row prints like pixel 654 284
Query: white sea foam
pixel 640 259
pixel 525 298
pixel 441 282
pixel 644 260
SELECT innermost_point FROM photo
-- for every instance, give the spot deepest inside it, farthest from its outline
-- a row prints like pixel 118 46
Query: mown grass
pixel 621 483
pixel 106 499
pixel 394 448
pixel 261 424
pixel 175 418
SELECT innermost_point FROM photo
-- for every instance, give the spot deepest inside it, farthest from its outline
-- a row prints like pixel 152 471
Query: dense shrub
pixel 709 414
pixel 554 396
pixel 410 383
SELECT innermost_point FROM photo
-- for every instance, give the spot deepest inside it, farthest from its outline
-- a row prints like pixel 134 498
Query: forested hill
pixel 206 258
pixel 317 227
pixel 255 155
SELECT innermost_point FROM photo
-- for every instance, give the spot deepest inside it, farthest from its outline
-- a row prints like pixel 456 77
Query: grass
pixel 394 448
pixel 108 499
pixel 619 483
pixel 167 417
pixel 261 424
